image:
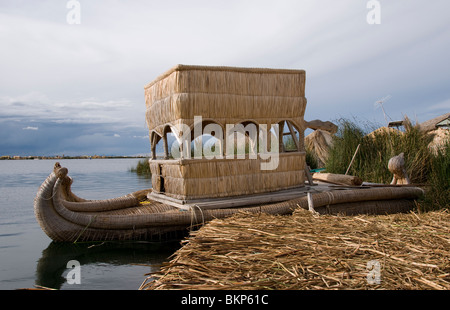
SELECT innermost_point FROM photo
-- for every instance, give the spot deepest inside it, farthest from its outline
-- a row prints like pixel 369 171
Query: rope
pixel 193 215
pixel 51 197
pixel 330 198
pixel 201 212
pixel 84 229
pixel 53 192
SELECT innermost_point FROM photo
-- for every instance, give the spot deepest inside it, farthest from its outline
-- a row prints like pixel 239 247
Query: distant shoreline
pixel 67 157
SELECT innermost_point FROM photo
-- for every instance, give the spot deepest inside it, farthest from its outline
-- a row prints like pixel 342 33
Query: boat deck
pixel 247 200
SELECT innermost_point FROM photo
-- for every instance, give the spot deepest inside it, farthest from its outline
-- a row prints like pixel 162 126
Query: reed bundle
pixel 306 251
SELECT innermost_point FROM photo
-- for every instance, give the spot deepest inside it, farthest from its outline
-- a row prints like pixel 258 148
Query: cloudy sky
pixel 77 89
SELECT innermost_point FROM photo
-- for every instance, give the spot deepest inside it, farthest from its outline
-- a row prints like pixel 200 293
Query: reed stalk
pixel 424 166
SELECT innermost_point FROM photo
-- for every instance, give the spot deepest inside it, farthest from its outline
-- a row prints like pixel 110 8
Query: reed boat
pixel 65 217
pixel 252 106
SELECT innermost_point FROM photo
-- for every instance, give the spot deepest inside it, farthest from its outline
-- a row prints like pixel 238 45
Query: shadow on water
pixel 53 263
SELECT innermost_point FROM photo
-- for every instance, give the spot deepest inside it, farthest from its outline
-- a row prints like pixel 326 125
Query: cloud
pixel 38 106
pixel 90 77
pixel 30 128
pixel 441 106
pixel 69 139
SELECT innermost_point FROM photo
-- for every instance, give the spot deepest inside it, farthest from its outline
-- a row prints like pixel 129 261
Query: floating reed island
pixel 306 251
pixel 247 113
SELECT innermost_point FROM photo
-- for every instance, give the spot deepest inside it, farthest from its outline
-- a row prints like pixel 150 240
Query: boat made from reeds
pixel 185 102
pixel 65 217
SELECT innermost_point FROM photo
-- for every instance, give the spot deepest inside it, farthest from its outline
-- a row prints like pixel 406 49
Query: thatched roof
pixel 225 95
pixel 431 124
pixel 320 143
pixel 384 130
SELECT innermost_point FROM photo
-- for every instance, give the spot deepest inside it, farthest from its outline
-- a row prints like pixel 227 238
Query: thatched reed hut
pixel 223 98
pixel 431 124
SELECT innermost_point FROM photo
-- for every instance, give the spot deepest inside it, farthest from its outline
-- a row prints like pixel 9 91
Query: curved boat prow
pixel 43 206
pixel 63 216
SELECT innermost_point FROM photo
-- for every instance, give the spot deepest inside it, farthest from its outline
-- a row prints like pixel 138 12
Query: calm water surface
pixel 28 257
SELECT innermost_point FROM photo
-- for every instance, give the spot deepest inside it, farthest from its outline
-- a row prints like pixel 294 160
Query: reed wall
pixel 200 178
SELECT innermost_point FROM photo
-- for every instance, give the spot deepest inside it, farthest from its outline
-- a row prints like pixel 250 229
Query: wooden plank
pixel 280 141
pixel 153 146
pixel 353 158
pixel 245 201
pixel 166 147
pixel 318 124
pixel 167 200
pixel 294 136
pixel 308 176
pixel 230 202
pixel 338 178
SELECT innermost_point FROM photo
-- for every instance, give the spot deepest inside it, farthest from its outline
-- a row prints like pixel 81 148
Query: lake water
pixel 29 257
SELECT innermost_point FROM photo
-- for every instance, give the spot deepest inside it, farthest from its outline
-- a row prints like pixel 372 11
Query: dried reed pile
pixel 319 143
pixel 306 251
pixel 441 136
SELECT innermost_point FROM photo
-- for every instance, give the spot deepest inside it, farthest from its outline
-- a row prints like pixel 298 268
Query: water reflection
pixel 51 266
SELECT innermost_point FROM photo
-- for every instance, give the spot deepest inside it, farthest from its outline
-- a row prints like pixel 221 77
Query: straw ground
pixel 303 251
